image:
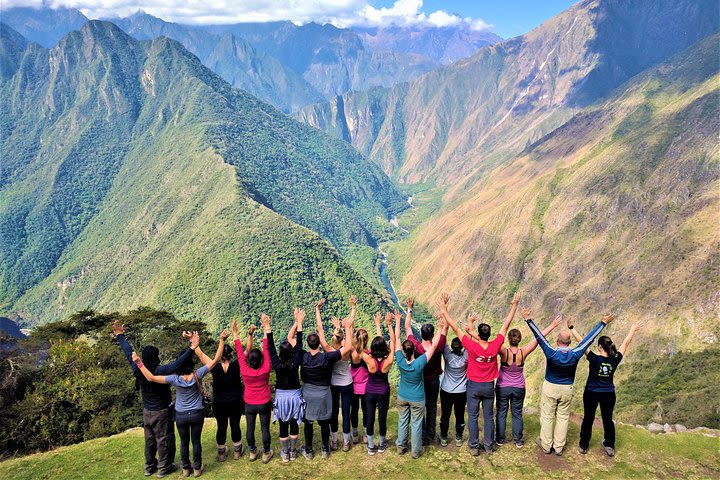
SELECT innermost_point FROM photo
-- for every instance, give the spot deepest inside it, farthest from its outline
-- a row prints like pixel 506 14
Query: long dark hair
pixel 255 358
pixel 608 346
pixel 379 348
pixel 227 353
pixel 408 349
pixel 456 346
pixel 285 354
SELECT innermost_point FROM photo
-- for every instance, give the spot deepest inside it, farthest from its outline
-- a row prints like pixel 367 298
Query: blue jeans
pixel 481 393
pixel 514 397
pixel 410 423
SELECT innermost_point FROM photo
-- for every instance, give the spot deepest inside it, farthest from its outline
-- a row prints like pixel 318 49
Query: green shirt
pixel 412 384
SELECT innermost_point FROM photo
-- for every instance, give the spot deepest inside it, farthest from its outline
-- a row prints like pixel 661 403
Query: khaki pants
pixel 554 409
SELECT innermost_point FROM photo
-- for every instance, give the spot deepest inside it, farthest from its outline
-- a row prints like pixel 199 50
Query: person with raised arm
pixel 510 389
pixel 289 406
pixel 360 374
pixel 433 371
pixel 557 389
pixel 316 372
pixel 377 391
pixel 255 369
pixel 600 387
pixel 341 383
pixel 411 391
pixel 453 388
pixel 482 372
pixel 158 409
pixel 189 398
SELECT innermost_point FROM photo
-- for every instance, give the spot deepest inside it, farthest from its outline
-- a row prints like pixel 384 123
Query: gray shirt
pixel 187 393
pixel 454 379
pixel 341 375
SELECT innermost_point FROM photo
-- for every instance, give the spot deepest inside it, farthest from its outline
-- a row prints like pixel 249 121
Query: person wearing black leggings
pixel 377 390
pixel 289 406
pixel 360 374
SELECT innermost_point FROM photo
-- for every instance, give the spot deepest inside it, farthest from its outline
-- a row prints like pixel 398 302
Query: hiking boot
pixel 237 452
pixel 356 437
pixel 293 454
pixel 443 442
pixel 382 447
pixel 325 454
pixel 186 472
pixel 346 447
pixel 558 452
pixel 284 456
pixel 253 454
pixel 417 455
pixel 333 445
pixel 222 454
pixel 520 443
pixel 609 450
pixel 538 441
pixel 266 456
pixel 308 454
pixel 582 450
pixel 402 450
pixel 198 471
pixel 474 452
pixel 459 441
pixel 169 470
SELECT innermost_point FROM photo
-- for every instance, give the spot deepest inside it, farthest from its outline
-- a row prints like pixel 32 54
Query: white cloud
pixel 341 13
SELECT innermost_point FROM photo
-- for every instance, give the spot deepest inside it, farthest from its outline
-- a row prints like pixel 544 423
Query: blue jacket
pixel 562 362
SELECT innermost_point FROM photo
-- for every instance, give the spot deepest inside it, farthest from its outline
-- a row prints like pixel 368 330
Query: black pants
pixel 591 400
pixel 324 434
pixel 159 426
pixel 432 387
pixel 288 428
pixel 251 413
pixel 227 414
pixel 448 403
pixel 381 402
pixel 344 393
pixel 358 403
pixel 190 425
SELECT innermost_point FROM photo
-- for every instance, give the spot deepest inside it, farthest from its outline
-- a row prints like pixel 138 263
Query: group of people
pixel 349 374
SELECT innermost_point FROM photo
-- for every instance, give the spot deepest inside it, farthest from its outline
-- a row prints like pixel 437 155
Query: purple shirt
pixel 377 382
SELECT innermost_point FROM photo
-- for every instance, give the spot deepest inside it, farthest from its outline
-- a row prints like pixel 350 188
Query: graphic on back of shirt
pixel 606 370
pixel 485 358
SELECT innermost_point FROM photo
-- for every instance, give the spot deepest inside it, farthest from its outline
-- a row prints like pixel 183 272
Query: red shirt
pixel 257 382
pixel 482 362
pixel 433 368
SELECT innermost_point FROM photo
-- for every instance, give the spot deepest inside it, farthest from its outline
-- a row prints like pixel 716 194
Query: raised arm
pixel 146 373
pixel 387 364
pixel 626 343
pixel 250 340
pixel 378 319
pixel 508 320
pixel 408 317
pixel 443 303
pixel 293 329
pixel 590 337
pixel 539 337
pixel 353 308
pixel 396 332
pixel 119 331
pixel 219 352
pixel 349 326
pixel 574 332
pixel 532 345
pixel 320 329
pixel 469 327
pixel 267 330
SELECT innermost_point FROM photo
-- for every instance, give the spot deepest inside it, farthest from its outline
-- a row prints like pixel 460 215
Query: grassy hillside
pixel 639 455
pixel 132 175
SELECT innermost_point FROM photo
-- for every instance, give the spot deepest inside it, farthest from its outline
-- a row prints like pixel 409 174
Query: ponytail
pixel 608 346
pixel 408 349
pixel 361 340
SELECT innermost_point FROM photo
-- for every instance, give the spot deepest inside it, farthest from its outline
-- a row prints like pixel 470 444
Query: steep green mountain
pixel 132 175
pixel 455 123
pixel 333 60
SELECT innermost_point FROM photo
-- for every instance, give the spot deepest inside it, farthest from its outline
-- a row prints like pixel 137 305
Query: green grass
pixel 639 455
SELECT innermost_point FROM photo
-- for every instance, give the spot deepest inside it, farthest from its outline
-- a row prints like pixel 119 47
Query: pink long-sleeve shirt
pixel 257 382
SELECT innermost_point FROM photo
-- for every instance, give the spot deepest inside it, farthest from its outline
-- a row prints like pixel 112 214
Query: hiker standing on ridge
pixel 557 389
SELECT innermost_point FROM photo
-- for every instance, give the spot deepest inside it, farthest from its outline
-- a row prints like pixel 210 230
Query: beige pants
pixel 554 409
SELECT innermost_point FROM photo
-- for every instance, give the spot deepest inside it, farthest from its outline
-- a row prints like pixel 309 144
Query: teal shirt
pixel 412 384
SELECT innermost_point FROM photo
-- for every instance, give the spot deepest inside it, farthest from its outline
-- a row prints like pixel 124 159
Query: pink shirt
pixel 482 362
pixel 360 376
pixel 257 382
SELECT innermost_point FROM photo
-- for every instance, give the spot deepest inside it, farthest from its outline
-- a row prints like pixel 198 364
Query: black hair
pixel 456 346
pixel 408 349
pixel 255 358
pixel 187 367
pixel 484 331
pixel 227 353
pixel 514 336
pixel 151 357
pixel 379 348
pixel 427 331
pixel 313 341
pixel 607 344
pixel 285 354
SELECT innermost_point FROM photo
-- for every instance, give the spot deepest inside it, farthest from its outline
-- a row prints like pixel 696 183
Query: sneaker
pixel 499 442
pixel 346 447
pixel 520 443
pixel 198 471
pixel 372 451
pixel 253 454
pixel 609 450
pixel 382 447
pixel 266 456
pixel 538 441
pixel 186 472
pixel 333 445
pixel 459 441
pixel 402 450
pixel 164 473
pixel 558 453
pixel 284 456
pixel 237 452
pixel 582 450
pixel 474 452
pixel 308 454
pixel 150 472
pixel 222 454
pixel 443 442
pixel 293 455
pixel 325 454
pixel 356 437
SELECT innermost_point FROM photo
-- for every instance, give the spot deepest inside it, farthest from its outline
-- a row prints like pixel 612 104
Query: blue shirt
pixel 412 382
pixel 187 393
pixel 562 362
